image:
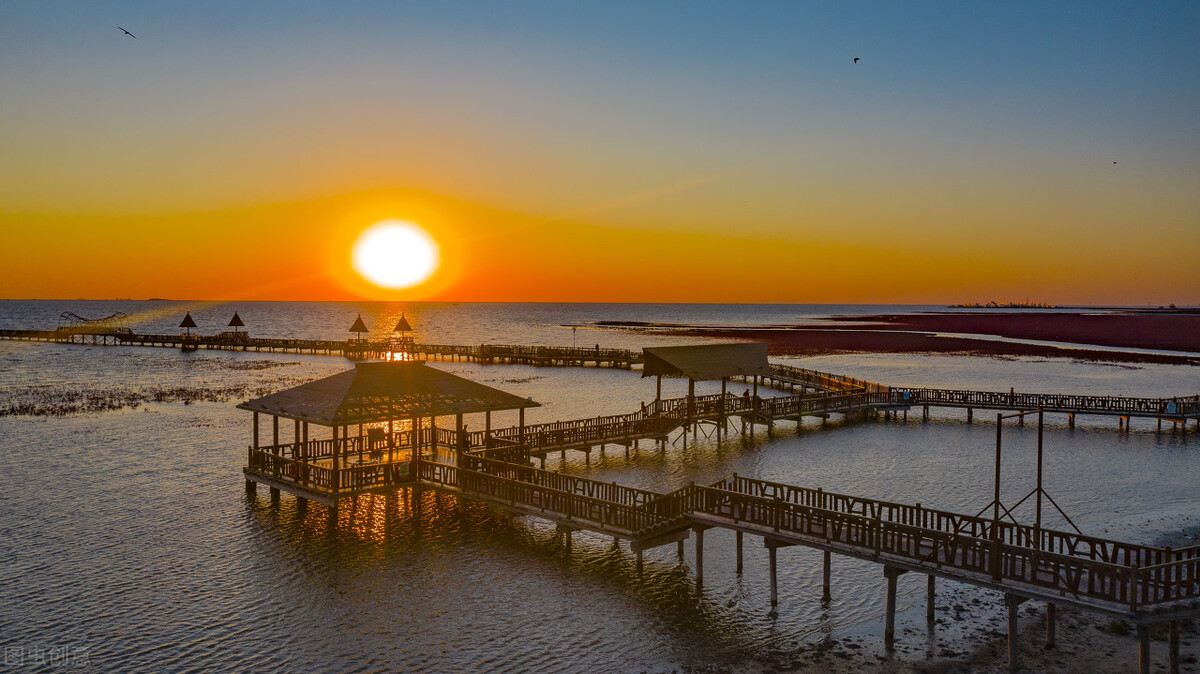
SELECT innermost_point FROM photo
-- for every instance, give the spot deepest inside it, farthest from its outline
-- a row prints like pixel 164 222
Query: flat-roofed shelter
pixel 370 396
pixel 706 362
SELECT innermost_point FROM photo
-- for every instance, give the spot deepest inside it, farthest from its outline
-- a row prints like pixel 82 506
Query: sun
pixel 395 254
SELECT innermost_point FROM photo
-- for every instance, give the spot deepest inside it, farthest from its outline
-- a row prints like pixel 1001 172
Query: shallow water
pixel 128 533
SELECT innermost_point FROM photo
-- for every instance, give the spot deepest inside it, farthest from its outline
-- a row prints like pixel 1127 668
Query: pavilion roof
pixel 402 325
pixel 703 362
pixel 236 321
pixel 188 322
pixel 358 326
pixel 381 391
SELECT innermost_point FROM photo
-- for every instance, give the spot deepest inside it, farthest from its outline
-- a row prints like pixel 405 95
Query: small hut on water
pixel 402 339
pixel 381 420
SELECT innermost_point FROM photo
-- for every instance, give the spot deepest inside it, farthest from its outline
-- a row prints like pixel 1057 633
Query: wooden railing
pixel 1187 406
pixel 607 491
pixel 1046 540
pixel 564 504
pixel 824 380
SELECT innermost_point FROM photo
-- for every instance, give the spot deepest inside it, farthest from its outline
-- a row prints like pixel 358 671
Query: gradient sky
pixel 607 151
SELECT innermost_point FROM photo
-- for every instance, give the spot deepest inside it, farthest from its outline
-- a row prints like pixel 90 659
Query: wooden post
pixel 658 390
pixel 1051 619
pixel 256 431
pixel 969 413
pixel 691 401
pixel 1143 637
pixel 334 455
pixel 681 550
pixel 825 593
pixel 1071 420
pixel 521 432
pixel 304 453
pixel 487 429
pixel 995 553
pixel 275 433
pixel 724 380
pixel 699 556
pixel 925 414
pixel 929 598
pixel 296 440
pixel 458 433
pixel 639 559
pixel 889 621
pixel 739 553
pixel 1173 647
pixel 1013 603
pixel 771 551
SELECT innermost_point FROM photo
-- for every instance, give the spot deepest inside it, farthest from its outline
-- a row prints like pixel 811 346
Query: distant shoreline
pixel 921 333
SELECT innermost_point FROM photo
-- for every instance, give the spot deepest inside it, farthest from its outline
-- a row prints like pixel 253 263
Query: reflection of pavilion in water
pixel 377 418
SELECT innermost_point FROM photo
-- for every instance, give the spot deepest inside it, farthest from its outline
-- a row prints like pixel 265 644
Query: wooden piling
pixel 1143 637
pixel 825 593
pixel 1051 619
pixel 1013 603
pixel 1173 647
pixel 699 555
pixel 889 621
pixel 929 598
pixel 739 553
pixel 771 552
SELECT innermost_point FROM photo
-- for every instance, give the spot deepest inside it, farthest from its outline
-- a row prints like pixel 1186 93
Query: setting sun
pixel 395 254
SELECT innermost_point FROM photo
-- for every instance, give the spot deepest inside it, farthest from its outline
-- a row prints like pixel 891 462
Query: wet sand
pixel 1166 331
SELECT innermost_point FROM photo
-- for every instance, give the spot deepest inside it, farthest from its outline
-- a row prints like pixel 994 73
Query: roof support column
pixel 333 480
pixel 691 403
pixel 487 428
pixel 433 438
pixel 460 440
pixel 521 422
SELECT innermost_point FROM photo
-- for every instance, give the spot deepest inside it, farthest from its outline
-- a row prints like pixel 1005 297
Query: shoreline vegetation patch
pixel 63 400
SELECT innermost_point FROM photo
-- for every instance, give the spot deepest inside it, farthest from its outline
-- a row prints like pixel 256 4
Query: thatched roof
pixel 381 391
pixel 236 321
pixel 402 325
pixel 187 321
pixel 704 362
pixel 358 326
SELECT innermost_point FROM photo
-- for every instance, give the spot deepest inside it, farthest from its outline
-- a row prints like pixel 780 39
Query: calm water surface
pixel 128 533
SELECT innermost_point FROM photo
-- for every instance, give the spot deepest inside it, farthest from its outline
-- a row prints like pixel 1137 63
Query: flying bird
pixel 856 59
pixel 128 33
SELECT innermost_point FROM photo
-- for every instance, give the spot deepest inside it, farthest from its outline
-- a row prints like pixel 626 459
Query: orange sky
pixel 578 156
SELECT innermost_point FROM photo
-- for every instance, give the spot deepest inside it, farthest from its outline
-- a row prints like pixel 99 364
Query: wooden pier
pixel 351 348
pixel 1147 585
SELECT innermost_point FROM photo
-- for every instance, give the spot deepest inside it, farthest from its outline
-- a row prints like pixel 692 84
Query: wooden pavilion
pixel 379 417
pixel 401 344
pixel 705 362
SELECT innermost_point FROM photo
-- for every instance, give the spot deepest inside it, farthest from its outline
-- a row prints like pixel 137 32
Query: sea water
pixel 128 542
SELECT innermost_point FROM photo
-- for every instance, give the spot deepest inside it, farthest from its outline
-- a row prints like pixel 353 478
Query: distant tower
pixel 402 340
pixel 236 322
pixel 360 328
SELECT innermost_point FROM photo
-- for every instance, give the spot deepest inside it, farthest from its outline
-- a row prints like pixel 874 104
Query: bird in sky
pixel 128 33
pixel 856 59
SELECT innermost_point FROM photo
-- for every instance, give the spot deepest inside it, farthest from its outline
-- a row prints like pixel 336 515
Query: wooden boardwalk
pixel 1177 410
pixel 1144 584
pixel 355 349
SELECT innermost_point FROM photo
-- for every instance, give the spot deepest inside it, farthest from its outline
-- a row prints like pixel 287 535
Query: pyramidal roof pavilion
pixel 374 392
